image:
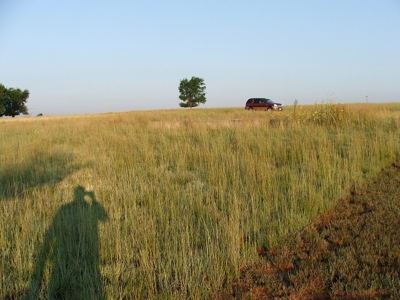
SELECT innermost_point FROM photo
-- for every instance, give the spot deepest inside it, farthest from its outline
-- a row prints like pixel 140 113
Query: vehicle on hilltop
pixel 262 104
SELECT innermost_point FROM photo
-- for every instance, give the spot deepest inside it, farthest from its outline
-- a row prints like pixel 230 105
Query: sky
pixel 84 57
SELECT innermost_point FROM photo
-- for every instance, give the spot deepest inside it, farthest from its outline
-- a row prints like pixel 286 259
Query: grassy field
pixel 170 204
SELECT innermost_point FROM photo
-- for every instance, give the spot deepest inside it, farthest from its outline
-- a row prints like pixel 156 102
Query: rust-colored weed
pixel 351 252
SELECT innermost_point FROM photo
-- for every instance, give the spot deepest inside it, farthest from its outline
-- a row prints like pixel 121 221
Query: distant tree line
pixel 13 101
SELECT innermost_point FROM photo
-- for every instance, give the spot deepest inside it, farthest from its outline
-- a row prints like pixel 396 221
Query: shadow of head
pixel 79 193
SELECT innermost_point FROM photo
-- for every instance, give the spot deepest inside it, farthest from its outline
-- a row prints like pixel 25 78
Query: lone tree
pixel 192 92
pixel 12 101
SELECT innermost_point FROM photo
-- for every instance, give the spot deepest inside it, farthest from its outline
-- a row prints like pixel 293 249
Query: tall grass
pixel 169 204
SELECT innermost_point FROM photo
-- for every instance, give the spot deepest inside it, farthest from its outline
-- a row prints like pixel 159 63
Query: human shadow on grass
pixel 67 262
pixel 43 169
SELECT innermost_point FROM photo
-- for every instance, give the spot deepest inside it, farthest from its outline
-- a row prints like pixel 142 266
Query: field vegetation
pixel 349 252
pixel 171 204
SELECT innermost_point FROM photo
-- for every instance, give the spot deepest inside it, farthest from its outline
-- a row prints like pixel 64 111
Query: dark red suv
pixel 262 104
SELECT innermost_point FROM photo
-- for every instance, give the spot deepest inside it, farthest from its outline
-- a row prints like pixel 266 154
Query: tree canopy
pixel 192 92
pixel 13 101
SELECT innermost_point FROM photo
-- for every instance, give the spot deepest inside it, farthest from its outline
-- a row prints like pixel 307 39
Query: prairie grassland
pixel 168 204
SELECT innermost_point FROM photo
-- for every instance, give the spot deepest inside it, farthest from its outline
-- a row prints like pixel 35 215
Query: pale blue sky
pixel 100 56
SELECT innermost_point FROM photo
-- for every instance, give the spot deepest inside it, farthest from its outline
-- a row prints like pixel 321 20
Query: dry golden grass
pixel 177 200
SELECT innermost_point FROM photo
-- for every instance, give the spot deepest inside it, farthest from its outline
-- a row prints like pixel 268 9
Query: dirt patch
pixel 205 123
pixel 273 122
